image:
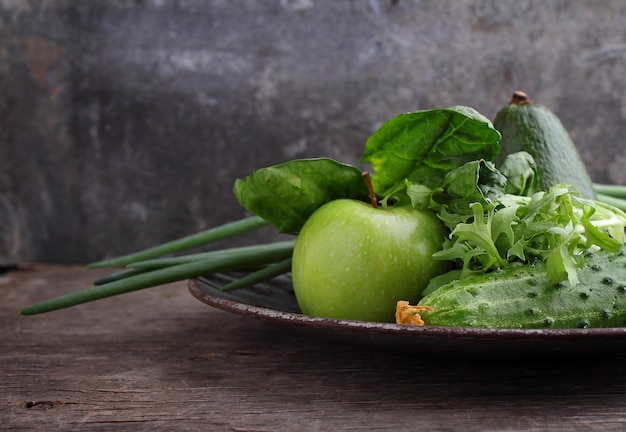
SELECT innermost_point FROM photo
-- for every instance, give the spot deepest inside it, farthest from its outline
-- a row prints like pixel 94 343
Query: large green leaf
pixel 423 146
pixel 285 195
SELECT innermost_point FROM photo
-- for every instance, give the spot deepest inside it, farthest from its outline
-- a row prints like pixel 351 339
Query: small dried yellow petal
pixel 410 315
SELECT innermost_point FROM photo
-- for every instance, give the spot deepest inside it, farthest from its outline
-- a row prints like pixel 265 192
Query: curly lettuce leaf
pixel 491 228
pixel 285 195
pixel 557 227
pixel 423 146
pixel 474 243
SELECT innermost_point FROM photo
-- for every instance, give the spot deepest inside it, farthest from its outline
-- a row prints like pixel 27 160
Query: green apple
pixel 354 261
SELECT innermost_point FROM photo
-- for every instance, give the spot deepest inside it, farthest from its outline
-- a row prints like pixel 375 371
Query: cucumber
pixel 523 297
pixel 533 128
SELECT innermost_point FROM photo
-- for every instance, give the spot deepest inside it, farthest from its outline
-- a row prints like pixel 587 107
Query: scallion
pixel 262 275
pixel 279 248
pixel 250 258
pixel 218 233
pixel 617 191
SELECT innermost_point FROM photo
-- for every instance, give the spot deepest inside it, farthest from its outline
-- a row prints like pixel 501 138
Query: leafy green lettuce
pixel 555 226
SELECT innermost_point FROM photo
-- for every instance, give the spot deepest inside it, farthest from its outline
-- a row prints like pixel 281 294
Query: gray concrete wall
pixel 125 123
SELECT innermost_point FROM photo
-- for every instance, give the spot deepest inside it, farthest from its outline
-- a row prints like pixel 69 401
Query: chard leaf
pixel 423 146
pixel 285 195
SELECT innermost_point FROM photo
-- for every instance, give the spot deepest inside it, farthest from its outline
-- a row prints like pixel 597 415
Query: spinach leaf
pixel 520 171
pixel 422 146
pixel 285 195
pixel 475 181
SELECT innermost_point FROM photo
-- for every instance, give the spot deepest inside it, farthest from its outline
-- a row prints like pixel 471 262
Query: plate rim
pixel 195 286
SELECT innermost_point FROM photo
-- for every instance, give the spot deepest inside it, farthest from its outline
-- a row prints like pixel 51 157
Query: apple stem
pixel 370 188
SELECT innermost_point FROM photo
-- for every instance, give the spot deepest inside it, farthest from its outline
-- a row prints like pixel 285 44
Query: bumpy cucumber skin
pixel 523 297
pixel 536 130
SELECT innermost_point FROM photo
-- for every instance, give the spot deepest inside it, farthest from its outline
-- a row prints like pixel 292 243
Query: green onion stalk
pixel 144 269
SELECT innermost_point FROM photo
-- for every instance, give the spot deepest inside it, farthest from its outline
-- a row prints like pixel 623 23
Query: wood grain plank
pixel 158 359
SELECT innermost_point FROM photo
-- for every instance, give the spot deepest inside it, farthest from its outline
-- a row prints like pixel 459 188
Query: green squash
pixel 533 128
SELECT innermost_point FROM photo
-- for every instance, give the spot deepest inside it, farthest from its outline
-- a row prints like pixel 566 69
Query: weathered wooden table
pixel 160 360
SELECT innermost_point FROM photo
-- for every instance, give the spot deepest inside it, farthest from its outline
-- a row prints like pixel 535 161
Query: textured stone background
pixel 124 123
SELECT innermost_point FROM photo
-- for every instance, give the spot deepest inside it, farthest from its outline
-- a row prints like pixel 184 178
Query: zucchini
pixel 523 297
pixel 533 128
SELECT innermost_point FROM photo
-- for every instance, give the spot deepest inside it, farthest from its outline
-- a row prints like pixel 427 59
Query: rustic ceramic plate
pixel 274 301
